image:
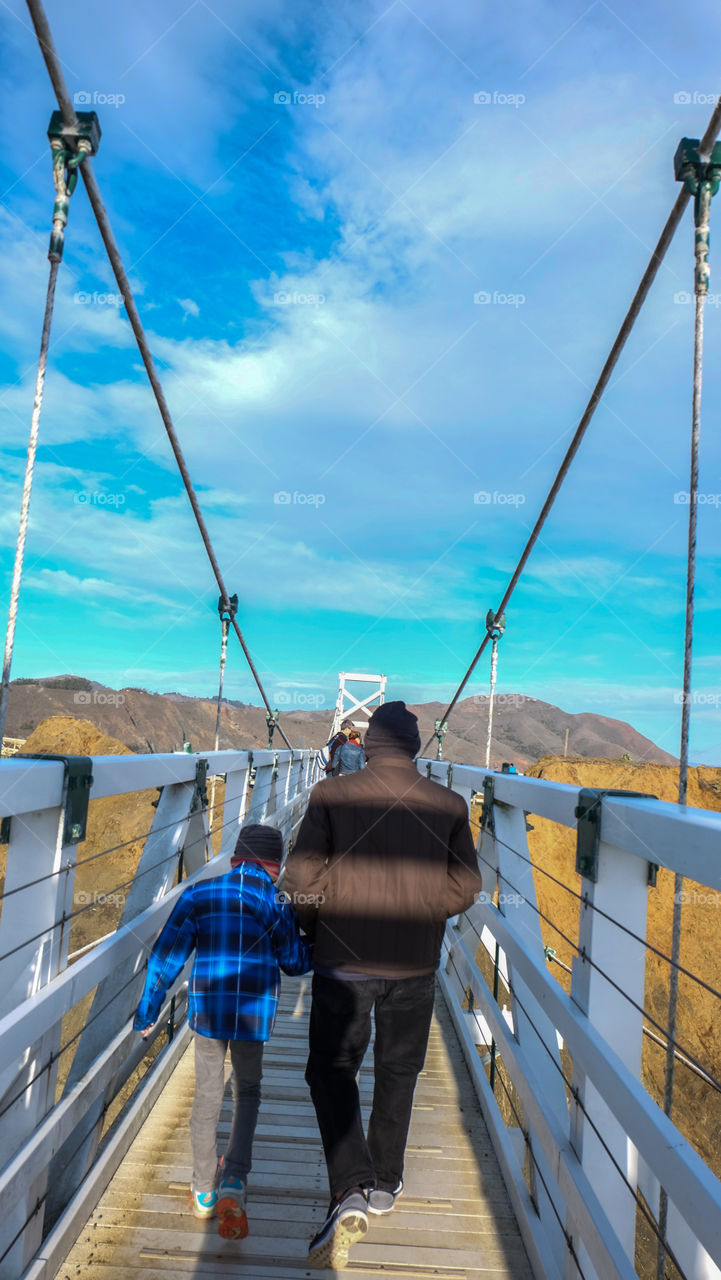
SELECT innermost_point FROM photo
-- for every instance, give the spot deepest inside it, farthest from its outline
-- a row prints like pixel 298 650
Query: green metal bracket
pixel 5 825
pixel 77 782
pixel 200 797
pixel 449 779
pixel 274 774
pixel 588 831
pixel 440 732
pixel 88 128
pixel 272 722
pixel 227 615
pixel 428 769
pixel 700 177
pixel 690 168
pixel 652 874
pixel 487 821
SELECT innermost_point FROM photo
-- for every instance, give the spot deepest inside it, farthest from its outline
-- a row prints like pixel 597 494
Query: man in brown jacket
pixel 383 857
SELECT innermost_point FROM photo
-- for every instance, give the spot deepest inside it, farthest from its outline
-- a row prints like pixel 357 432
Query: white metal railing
pixel 577 1208
pixel 52 1172
pixel 574 1192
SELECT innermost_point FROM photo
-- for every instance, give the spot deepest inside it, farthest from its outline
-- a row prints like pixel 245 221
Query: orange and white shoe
pixel 230 1209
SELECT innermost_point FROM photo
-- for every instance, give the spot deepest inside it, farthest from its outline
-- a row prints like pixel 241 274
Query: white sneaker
pixel 347 1222
pixel 384 1201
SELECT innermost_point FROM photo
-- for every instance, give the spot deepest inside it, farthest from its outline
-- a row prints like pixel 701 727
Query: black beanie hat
pixel 258 843
pixel 392 727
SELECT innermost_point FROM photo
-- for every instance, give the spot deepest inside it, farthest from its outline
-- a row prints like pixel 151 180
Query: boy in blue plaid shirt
pixel 242 931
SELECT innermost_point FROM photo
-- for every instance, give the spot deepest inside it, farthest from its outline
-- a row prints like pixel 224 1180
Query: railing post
pixel 263 799
pixel 237 785
pixel 533 1030
pixel 620 890
pixel 35 850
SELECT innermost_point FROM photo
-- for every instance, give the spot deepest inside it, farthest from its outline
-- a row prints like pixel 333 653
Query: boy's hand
pixel 147 1030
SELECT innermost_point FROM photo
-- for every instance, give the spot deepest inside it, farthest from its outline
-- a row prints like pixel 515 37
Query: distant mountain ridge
pixel 524 729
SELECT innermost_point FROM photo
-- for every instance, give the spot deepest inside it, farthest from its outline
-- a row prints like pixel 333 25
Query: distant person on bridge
pixel 350 755
pixel 383 857
pixel 336 742
pixel 241 930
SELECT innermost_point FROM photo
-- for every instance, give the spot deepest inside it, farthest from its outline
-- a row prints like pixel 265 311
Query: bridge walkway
pixel 455 1220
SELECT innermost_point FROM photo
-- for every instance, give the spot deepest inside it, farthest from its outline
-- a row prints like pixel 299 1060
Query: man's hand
pixel 147 1030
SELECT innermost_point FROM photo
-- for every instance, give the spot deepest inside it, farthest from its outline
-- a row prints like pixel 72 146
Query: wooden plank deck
pixel 454 1221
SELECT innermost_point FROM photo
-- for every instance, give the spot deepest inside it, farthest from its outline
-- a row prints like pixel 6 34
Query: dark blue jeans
pixel 340 1029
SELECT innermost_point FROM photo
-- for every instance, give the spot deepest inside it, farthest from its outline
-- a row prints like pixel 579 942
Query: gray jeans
pixel 246 1057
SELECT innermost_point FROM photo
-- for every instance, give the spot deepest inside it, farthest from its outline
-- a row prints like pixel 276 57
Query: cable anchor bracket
pixel 271 719
pixel 69 146
pixel 701 178
pixel 588 831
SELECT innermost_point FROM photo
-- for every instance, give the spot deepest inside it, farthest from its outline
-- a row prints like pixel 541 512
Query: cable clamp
pixel 588 831
pixel 200 794
pixel 440 732
pixel 271 719
pixel 77 781
pixel 70 146
pixel 487 819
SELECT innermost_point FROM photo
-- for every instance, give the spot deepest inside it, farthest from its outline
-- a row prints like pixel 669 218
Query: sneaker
pixel 383 1201
pixel 232 1218
pixel 203 1203
pixel 347 1222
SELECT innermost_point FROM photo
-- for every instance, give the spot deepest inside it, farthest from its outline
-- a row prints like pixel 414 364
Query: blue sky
pixel 381 251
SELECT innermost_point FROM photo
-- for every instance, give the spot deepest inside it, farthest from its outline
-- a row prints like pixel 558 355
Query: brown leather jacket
pixel 383 857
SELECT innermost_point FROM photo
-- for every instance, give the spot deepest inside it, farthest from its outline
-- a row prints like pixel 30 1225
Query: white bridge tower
pixel 348 706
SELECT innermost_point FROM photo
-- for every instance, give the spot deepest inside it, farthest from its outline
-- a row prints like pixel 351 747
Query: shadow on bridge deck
pixel 455 1219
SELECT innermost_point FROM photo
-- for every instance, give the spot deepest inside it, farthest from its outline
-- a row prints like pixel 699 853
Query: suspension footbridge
pixel 536 1148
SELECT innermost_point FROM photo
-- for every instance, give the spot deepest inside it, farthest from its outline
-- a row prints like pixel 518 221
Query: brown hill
pixel 524 728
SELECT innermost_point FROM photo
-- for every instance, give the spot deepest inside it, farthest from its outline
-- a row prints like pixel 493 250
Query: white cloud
pixel 189 307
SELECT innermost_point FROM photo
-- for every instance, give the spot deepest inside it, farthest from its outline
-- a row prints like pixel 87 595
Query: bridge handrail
pixel 38 987
pixel 575 1192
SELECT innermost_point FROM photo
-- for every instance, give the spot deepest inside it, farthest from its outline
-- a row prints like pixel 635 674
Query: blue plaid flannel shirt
pixel 241 929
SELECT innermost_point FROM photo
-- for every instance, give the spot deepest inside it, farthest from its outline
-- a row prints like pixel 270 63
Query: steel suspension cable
pixel 52 62
pixel 575 1094
pixel 649 275
pixel 27 490
pixel 584 900
pixel 529 1149
pixel 703 194
pixel 83 862
pixel 583 955
pixel 65 178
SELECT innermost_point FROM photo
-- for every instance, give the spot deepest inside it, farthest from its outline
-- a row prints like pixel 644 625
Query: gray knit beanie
pixel 258 843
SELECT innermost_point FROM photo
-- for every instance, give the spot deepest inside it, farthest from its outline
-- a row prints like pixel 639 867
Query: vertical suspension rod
pixel 52 62
pixel 702 210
